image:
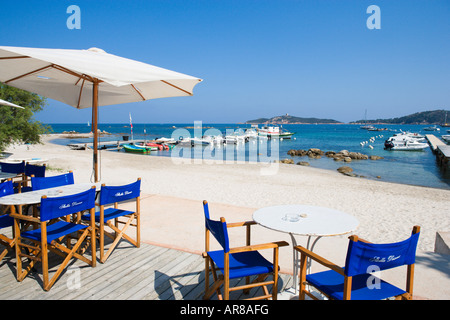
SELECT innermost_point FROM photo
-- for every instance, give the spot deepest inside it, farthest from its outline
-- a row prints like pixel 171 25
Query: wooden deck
pixel 146 273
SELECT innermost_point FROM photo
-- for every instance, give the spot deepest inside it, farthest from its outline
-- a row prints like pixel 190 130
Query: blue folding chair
pixel 6 188
pixel 355 281
pixel 114 195
pixel 13 167
pixel 39 183
pixel 17 168
pixel 53 230
pixel 241 262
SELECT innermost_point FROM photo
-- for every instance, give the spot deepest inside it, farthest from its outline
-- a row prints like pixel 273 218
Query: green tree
pixel 18 125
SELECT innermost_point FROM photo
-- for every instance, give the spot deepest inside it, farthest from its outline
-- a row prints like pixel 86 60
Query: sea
pixel 406 167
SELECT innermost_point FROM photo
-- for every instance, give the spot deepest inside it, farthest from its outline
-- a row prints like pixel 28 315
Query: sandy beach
pixel 172 195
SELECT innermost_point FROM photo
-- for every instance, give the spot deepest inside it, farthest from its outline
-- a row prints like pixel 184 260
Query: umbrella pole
pixel 95 126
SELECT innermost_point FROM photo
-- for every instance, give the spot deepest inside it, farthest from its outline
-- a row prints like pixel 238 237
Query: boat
pixel 411 135
pixel 137 149
pixel 404 144
pixel 251 133
pixel 446 138
pixel 433 128
pixel 193 142
pixel 377 129
pixel 274 132
pixel 165 141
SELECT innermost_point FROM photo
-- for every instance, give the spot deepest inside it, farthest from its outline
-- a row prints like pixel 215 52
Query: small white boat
pixel 166 140
pixel 251 133
pixel 194 141
pixel 433 128
pixel 411 135
pixel 446 138
pixel 404 144
pixel 274 132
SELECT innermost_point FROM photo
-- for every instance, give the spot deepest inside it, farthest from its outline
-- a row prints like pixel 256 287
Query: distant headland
pixel 436 117
pixel 287 119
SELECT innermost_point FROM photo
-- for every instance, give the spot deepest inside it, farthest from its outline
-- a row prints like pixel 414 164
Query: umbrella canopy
pixel 89 78
pixel 9 104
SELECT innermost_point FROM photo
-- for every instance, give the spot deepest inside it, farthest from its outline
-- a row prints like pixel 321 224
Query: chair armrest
pixel 256 247
pixel 320 260
pixel 24 217
pixel 240 224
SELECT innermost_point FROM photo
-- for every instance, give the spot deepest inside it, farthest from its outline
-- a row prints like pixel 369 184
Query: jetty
pixel 440 149
pixel 104 144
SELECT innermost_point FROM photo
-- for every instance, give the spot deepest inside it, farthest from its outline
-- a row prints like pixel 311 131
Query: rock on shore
pixel 343 155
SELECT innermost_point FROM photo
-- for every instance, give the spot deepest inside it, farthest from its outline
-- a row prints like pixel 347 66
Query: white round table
pixel 304 220
pixel 34 197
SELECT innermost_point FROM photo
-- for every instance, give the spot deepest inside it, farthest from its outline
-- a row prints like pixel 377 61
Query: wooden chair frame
pixel 224 280
pixel 7 243
pixel 307 254
pixel 118 233
pixel 38 250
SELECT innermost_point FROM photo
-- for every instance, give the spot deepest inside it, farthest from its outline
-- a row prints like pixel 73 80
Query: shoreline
pixel 283 157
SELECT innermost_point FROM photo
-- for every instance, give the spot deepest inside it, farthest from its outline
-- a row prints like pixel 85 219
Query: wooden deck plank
pixel 149 272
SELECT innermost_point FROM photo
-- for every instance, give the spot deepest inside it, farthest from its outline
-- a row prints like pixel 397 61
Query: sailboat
pixel 445 124
pixel 366 126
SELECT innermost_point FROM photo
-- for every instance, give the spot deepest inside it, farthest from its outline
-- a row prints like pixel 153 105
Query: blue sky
pixel 258 58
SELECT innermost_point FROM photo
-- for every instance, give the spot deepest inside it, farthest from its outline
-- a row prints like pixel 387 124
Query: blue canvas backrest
pixel 6 188
pixel 37 171
pixel 13 167
pixel 39 183
pixel 365 257
pixel 52 208
pixel 217 228
pixel 111 194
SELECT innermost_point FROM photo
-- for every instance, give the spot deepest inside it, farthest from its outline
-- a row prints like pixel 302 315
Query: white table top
pixel 34 197
pixel 306 220
pixel 7 175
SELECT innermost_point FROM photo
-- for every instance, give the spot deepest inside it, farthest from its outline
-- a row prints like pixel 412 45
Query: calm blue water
pixel 407 167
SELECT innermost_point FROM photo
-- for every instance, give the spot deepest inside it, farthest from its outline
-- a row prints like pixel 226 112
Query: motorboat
pixel 404 144
pixel 165 141
pixel 194 142
pixel 411 135
pixel 274 132
pixel 251 133
pixel 377 129
pixel 446 138
pixel 214 139
pixel 432 128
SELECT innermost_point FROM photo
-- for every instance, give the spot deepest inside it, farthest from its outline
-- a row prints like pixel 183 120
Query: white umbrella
pixel 9 104
pixel 89 78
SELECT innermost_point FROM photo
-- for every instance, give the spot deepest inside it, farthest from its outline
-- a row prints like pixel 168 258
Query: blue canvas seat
pixel 39 183
pixel 117 195
pixel 233 263
pixel 6 188
pixel 355 280
pixel 57 223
